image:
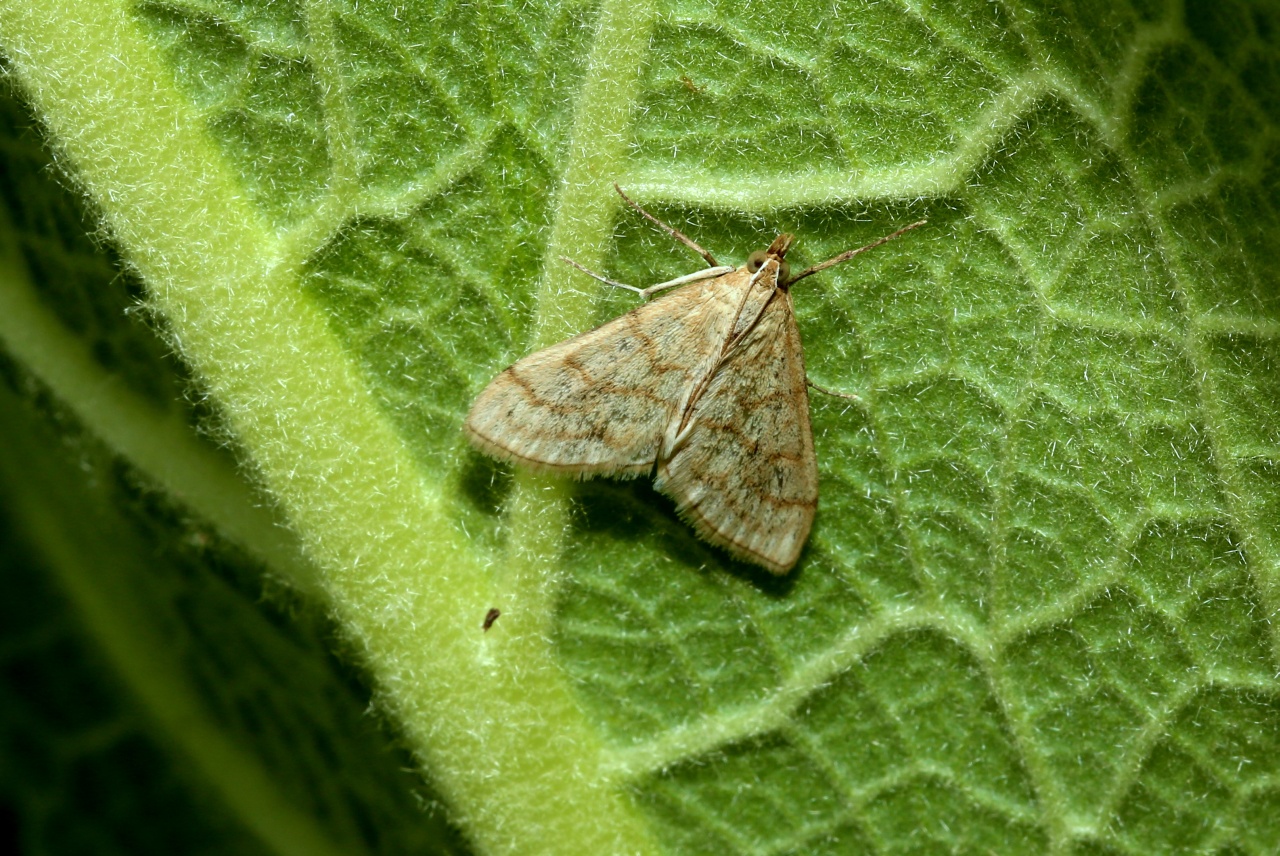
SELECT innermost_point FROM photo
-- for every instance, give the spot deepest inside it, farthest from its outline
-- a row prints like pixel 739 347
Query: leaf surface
pixel 1037 610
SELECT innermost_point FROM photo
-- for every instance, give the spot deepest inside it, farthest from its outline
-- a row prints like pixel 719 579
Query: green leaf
pixel 1038 611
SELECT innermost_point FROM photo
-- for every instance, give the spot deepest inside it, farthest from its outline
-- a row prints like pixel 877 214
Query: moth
pixel 704 387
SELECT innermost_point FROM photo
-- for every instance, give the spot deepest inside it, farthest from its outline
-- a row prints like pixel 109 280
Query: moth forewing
pixel 600 403
pixel 743 471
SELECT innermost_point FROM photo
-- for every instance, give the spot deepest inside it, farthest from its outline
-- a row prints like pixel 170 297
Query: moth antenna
pixel 670 230
pixel 848 254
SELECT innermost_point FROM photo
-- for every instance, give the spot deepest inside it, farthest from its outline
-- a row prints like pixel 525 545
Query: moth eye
pixel 756 260
pixel 784 272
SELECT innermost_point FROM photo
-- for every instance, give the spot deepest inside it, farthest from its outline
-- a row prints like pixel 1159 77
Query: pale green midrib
pixel 143 657
pixel 585 207
pixel 159 444
pixel 489 713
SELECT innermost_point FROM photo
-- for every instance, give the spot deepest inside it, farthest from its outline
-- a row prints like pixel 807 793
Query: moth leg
pixel 709 273
pixel 847 395
pixel 589 272
pixel 670 230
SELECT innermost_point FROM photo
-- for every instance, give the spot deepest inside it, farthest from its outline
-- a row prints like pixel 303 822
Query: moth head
pixel 778 251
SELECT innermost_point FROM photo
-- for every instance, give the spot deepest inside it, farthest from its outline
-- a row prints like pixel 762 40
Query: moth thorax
pixel 784 269
pixel 778 251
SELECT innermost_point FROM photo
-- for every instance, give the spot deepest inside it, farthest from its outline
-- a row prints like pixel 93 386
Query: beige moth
pixel 703 387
